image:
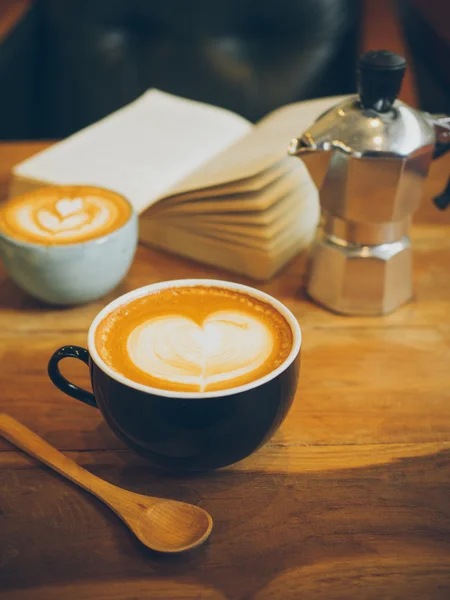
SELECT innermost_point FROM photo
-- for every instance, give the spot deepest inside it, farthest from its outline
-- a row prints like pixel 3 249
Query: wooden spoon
pixel 162 525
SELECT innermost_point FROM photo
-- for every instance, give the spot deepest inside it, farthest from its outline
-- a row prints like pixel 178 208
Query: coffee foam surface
pixel 229 344
pixel 64 214
pixel 194 339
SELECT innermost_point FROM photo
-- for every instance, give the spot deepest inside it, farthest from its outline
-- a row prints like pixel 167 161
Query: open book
pixel 207 183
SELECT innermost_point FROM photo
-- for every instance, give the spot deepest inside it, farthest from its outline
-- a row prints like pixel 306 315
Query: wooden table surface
pixel 350 499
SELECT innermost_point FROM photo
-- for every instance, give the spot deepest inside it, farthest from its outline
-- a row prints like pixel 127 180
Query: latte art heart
pixel 66 218
pixel 173 348
pixel 64 214
pixel 79 215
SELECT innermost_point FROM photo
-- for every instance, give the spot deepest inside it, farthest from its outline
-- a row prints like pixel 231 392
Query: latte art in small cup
pixel 68 244
pixel 63 215
pixel 194 339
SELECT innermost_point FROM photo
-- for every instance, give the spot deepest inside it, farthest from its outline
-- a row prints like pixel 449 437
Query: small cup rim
pixel 197 282
pixel 82 244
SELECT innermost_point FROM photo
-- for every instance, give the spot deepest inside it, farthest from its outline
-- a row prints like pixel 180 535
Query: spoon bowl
pixel 170 526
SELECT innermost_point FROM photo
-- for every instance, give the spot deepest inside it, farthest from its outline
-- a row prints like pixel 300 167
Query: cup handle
pixel 64 384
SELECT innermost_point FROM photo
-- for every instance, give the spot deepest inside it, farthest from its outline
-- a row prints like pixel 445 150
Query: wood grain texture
pixel 350 499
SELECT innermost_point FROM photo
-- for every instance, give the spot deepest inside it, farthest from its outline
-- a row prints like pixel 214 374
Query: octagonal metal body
pixel 361 280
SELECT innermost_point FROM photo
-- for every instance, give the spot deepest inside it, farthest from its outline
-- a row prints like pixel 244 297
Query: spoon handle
pixel 35 446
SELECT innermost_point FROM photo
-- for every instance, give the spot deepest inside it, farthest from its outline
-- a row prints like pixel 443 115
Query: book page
pixel 141 149
pixel 250 185
pixel 238 202
pixel 253 226
pixel 252 218
pixel 269 244
pixel 251 262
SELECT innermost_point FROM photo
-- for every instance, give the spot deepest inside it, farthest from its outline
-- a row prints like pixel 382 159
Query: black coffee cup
pixel 186 430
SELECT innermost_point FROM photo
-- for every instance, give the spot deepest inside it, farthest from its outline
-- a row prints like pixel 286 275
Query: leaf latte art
pixel 194 338
pixel 228 345
pixel 64 214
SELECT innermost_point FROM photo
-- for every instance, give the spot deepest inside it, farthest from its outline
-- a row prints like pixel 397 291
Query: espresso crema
pixel 195 339
pixel 60 215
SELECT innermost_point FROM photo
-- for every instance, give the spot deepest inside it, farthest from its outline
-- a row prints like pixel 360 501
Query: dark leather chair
pixel 65 64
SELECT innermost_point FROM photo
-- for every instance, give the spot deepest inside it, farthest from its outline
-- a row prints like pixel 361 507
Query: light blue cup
pixel 74 273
